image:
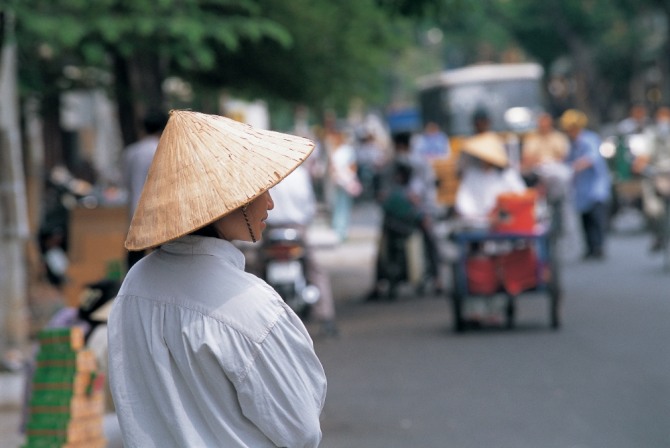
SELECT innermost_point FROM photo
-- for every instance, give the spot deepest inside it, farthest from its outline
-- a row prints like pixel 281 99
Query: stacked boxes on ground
pixel 67 403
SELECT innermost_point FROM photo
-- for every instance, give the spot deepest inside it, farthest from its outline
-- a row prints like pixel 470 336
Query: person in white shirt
pixel 347 186
pixel 486 175
pixel 202 353
pixel 295 206
pixel 136 161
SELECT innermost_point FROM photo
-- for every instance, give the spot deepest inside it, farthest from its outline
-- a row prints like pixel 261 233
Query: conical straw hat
pixel 206 166
pixel 487 147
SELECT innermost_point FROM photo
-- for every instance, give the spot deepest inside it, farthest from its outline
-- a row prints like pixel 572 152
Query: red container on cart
pixel 515 212
pixel 518 270
pixel 482 275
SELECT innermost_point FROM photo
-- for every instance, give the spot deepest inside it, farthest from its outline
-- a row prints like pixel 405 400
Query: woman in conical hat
pixel 201 352
pixel 485 176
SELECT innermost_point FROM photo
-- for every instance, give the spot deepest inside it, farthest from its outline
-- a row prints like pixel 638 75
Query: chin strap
pixel 246 219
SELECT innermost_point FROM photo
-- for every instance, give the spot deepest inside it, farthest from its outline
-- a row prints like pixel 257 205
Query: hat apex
pixel 206 166
pixel 487 147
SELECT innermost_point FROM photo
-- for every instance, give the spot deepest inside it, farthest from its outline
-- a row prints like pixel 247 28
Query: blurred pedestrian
pixel 296 207
pixel 369 163
pixel 204 353
pixel 544 145
pixel 432 143
pixel 136 160
pixel 486 175
pixel 401 217
pixel 423 186
pixel 653 164
pixel 542 167
pixel 408 201
pixel 481 124
pixel 591 184
pixel 347 186
pixel 636 121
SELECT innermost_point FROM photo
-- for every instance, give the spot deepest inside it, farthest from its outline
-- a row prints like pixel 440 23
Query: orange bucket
pixel 515 212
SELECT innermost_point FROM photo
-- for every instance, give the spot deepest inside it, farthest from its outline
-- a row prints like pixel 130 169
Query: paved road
pixel 399 377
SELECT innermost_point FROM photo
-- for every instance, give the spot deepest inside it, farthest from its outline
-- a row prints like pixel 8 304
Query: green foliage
pixel 340 50
pixel 186 32
pixel 313 51
pixel 320 52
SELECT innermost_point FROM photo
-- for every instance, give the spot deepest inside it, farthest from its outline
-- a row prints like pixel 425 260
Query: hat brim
pixel 488 147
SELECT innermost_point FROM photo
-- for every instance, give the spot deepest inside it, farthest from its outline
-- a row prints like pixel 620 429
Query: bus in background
pixel 511 94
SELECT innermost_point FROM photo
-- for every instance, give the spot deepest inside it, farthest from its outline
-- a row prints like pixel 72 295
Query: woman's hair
pixel 209 230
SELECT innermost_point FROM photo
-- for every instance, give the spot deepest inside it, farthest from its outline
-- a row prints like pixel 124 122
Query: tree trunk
pixel 586 94
pixel 138 84
pixel 52 134
pixel 123 93
pixel 147 80
pixel 13 213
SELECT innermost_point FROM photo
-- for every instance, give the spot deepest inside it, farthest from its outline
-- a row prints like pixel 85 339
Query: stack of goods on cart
pixel 512 268
pixel 67 404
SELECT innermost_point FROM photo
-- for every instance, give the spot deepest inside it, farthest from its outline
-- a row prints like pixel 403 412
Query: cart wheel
pixel 457 311
pixel 457 298
pixel 554 303
pixel 554 288
pixel 510 312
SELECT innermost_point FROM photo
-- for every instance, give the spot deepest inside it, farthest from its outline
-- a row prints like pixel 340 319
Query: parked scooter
pixel 283 260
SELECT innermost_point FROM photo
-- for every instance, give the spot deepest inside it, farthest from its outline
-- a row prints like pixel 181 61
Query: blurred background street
pixel 571 100
pixel 399 376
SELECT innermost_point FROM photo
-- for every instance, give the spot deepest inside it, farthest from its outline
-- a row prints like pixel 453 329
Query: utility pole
pixel 14 231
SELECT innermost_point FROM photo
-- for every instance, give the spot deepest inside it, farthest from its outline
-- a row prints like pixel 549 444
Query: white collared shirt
pixel 294 200
pixel 479 189
pixel 204 354
pixel 137 159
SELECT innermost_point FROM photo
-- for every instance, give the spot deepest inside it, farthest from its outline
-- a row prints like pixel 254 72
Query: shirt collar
pixel 201 245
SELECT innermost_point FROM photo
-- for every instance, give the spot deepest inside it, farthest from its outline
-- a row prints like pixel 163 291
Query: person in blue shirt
pixel 591 183
pixel 433 143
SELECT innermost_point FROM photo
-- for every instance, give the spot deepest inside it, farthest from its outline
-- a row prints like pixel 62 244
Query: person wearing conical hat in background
pixel 202 353
pixel 591 183
pixel 485 175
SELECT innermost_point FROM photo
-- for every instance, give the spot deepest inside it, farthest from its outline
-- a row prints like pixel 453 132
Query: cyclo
pixel 523 259
pixel 513 96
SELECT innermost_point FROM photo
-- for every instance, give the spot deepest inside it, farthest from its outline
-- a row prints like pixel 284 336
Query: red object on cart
pixel 515 212
pixel 525 262
pixel 518 270
pixel 514 272
pixel 482 275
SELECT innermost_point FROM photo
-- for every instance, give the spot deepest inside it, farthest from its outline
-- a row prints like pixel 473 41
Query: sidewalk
pixel 11 390
pixel 360 245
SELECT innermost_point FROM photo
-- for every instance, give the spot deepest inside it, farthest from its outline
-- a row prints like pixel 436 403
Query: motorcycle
pixel 660 183
pixel 620 152
pixel 283 256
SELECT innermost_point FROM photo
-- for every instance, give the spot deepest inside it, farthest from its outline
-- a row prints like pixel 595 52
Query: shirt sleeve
pixel 465 203
pixel 284 391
